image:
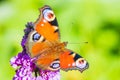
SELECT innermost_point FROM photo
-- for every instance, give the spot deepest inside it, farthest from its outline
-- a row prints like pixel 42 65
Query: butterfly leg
pixel 37 72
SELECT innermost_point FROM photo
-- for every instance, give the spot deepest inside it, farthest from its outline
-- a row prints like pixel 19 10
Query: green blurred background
pixel 94 21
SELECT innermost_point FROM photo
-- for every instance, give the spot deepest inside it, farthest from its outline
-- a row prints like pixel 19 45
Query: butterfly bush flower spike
pixel 25 68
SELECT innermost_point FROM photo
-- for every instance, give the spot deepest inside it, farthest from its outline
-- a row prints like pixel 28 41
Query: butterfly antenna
pixel 78 43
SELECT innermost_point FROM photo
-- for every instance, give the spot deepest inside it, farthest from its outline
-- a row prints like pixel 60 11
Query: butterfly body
pixel 43 43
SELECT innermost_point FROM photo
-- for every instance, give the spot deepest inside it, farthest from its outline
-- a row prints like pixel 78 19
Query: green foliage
pixel 95 21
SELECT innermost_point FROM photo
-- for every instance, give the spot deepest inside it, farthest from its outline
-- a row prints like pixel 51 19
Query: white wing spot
pixel 68 64
pixel 42 24
pixel 44 21
pixel 55 27
pixel 41 38
pixel 73 64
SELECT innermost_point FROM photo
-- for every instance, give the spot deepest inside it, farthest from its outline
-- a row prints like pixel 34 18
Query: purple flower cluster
pixel 25 67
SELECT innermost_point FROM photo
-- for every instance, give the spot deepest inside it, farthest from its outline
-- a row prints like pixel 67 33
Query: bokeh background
pixel 94 21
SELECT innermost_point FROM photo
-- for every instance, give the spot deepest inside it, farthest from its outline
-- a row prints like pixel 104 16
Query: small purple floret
pixel 24 65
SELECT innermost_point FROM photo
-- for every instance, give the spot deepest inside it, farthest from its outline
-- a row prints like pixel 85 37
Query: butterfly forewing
pixel 70 60
pixel 47 24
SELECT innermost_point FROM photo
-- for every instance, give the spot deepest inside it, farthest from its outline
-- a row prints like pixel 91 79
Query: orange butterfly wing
pixel 44 38
pixel 70 60
pixel 47 27
pixel 47 24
